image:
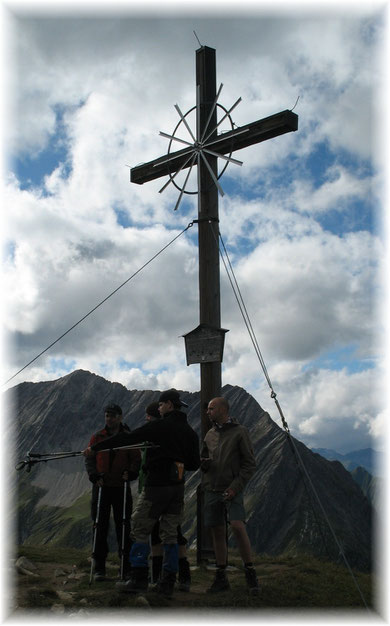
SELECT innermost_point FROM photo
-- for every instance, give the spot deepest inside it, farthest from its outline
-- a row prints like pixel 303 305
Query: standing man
pixel 163 495
pixel 111 471
pixel 228 462
pixel 184 574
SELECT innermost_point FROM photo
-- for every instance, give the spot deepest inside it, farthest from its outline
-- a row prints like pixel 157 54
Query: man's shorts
pixel 164 503
pixel 217 510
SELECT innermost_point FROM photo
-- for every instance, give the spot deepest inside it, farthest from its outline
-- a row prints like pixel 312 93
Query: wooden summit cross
pixel 205 150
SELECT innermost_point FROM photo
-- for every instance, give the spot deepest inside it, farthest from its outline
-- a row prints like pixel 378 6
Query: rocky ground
pixel 52 582
pixel 66 589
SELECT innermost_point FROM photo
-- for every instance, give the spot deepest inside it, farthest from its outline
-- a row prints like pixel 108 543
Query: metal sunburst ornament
pixel 197 146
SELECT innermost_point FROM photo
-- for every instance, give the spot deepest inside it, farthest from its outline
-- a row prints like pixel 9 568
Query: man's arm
pixel 147 432
pixel 192 460
pixel 205 460
pixel 247 463
pixel 90 463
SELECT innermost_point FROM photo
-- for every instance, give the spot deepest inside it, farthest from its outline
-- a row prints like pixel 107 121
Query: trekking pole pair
pixel 96 526
pixel 34 457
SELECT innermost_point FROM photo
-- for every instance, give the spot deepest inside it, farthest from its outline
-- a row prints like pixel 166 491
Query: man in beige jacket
pixel 228 463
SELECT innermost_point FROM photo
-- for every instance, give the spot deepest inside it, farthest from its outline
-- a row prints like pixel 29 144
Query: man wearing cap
pixel 111 471
pixel 177 450
pixel 184 573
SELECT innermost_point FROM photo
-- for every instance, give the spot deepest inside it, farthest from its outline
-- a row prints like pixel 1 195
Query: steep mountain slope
pixel 371 486
pixel 282 497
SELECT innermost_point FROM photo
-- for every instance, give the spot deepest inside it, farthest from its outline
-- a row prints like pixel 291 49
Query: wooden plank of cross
pixel 226 143
pixel 203 152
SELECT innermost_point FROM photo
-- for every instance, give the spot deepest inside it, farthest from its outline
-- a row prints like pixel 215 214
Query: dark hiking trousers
pixel 112 497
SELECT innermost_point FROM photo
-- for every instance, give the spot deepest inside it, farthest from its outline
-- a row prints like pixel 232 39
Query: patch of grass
pixel 49 554
pixel 117 600
pixel 39 598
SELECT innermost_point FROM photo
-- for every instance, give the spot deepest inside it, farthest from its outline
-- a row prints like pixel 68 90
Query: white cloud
pixel 335 407
pixel 340 187
pixel 110 85
pixel 311 293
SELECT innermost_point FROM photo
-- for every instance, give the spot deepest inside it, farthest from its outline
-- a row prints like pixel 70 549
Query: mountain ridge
pixel 368 458
pixel 283 515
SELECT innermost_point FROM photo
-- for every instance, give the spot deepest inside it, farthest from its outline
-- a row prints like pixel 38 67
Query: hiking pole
pixel 226 507
pixel 35 457
pixel 95 526
pixel 135 446
pixel 125 483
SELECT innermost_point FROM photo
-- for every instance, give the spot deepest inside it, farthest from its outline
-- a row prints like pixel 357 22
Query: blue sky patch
pixel 123 217
pixel 343 357
pixel 60 364
pixel 31 169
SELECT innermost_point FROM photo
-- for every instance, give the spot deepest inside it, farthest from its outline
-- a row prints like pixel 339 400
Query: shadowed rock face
pixel 297 501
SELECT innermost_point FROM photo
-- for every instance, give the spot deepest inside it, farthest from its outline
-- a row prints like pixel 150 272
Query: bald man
pixel 228 463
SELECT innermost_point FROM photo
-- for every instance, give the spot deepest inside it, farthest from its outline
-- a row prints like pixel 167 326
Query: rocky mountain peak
pixel 281 498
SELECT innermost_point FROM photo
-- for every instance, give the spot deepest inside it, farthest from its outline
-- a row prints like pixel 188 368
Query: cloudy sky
pixel 88 93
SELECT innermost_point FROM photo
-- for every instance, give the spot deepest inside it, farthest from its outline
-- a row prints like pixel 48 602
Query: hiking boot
pixel 99 571
pixel 167 583
pixel 137 583
pixel 184 576
pixel 127 573
pixel 251 581
pixel 220 583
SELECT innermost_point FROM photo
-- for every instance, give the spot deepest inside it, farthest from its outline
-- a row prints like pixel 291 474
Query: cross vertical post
pixel 208 228
pixel 209 278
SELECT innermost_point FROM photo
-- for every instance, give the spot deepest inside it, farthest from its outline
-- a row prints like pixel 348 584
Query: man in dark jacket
pixel 111 472
pixel 184 572
pixel 163 495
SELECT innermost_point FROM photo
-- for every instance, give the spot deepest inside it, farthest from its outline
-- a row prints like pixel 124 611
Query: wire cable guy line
pixel 99 304
pixel 245 315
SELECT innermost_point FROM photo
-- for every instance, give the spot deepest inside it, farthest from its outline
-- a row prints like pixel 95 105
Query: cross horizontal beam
pixel 225 143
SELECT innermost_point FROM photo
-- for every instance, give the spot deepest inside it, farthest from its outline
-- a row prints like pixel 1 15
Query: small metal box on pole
pixel 205 344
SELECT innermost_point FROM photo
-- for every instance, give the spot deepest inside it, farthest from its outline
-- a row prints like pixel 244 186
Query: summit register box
pixel 205 344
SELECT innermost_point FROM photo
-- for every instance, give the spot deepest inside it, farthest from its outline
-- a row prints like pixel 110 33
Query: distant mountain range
pixel 282 498
pixel 366 467
pixel 367 458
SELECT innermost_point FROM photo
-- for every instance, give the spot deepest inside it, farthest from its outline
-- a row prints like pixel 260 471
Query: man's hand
pixel 205 463
pixel 125 475
pixel 97 479
pixel 89 452
pixel 229 494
